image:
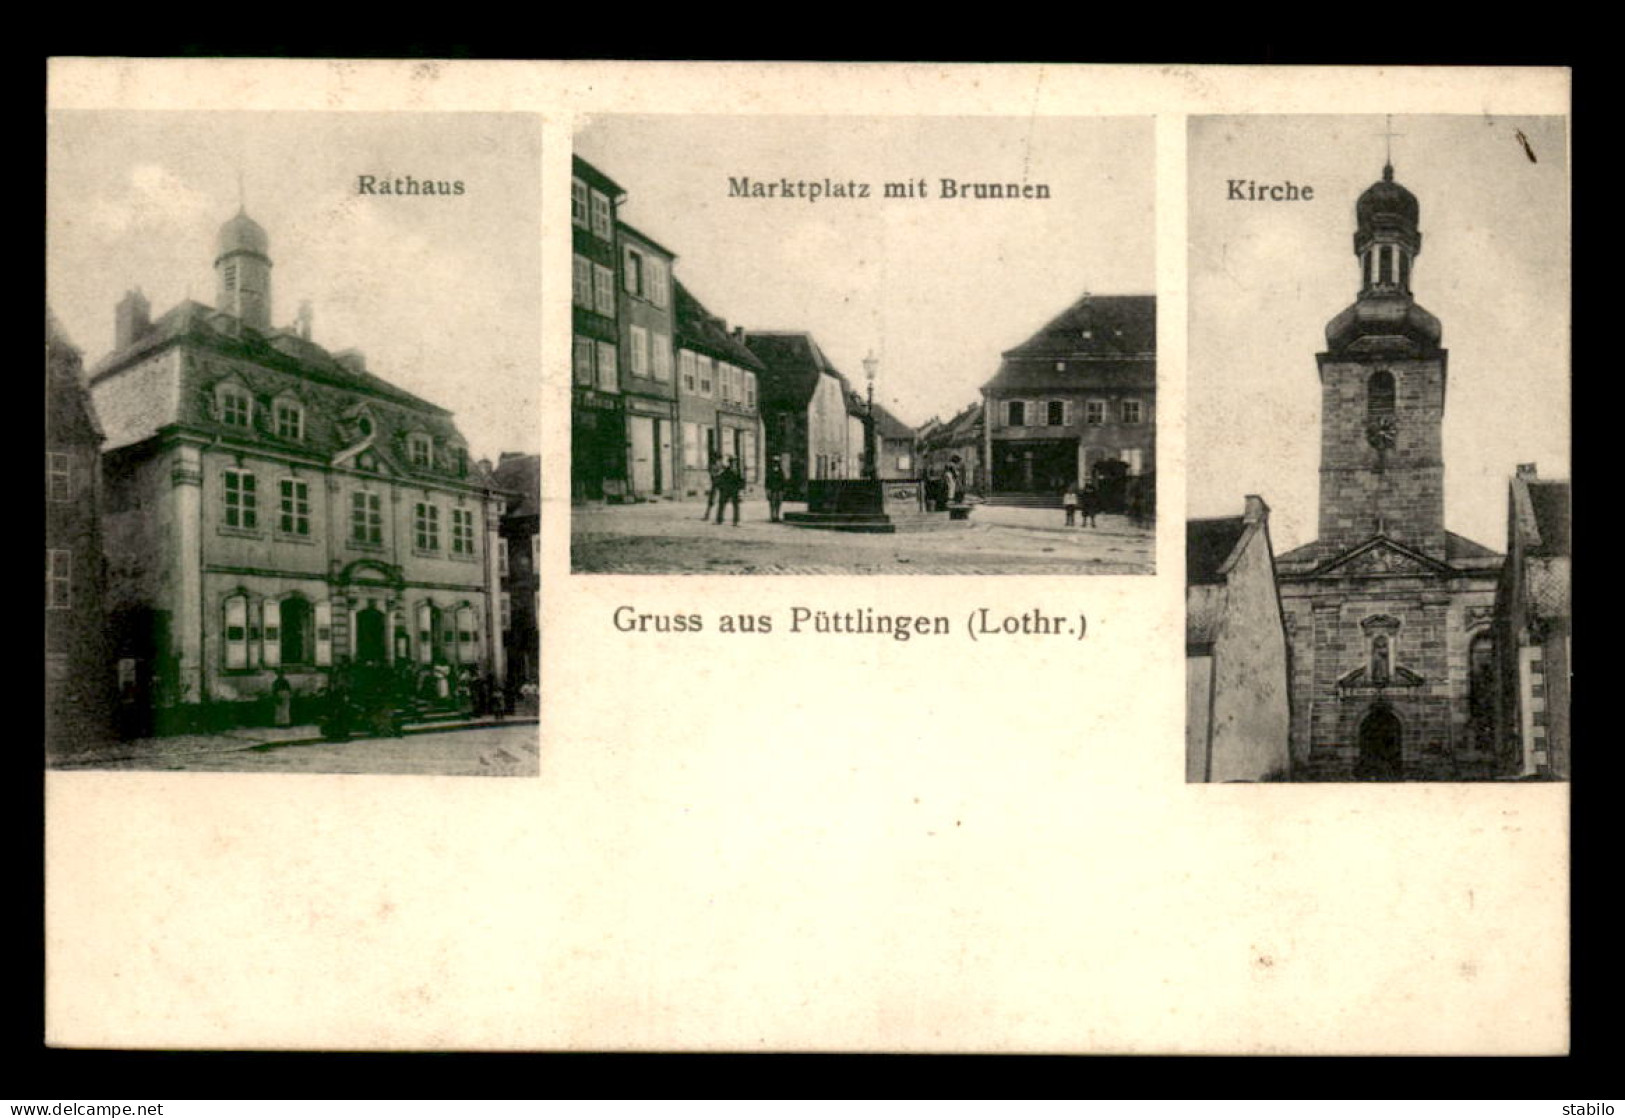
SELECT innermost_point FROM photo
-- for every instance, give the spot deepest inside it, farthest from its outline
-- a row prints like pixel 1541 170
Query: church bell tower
pixel 1382 382
pixel 242 268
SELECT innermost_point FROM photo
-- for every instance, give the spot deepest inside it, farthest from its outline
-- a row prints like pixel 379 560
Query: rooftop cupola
pixel 242 267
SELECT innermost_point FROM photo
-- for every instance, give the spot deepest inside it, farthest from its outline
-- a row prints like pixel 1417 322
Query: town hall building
pixel 274 510
pixel 1388 613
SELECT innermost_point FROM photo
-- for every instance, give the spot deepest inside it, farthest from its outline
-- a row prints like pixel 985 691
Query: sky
pixel 935 288
pixel 1265 277
pixel 442 294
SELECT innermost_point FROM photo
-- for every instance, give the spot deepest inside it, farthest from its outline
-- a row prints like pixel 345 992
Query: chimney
pixel 1257 512
pixel 1526 469
pixel 302 321
pixel 352 359
pixel 739 333
pixel 132 319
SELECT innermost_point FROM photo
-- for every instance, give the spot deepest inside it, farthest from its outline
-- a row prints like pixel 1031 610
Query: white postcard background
pixel 781 842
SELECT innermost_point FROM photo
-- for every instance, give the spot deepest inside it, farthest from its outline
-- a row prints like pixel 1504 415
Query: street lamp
pixel 870 364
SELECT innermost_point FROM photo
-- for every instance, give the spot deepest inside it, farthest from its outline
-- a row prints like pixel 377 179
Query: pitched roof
pixel 1104 340
pixel 888 426
pixel 69 413
pixel 1457 549
pixel 192 321
pixel 623 227
pixel 1208 543
pixel 521 474
pixel 593 175
pixel 792 365
pixel 1550 501
pixel 283 364
pixel 698 329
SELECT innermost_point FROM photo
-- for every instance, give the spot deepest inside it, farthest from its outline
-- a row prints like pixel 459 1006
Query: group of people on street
pixel 728 483
pixel 1082 504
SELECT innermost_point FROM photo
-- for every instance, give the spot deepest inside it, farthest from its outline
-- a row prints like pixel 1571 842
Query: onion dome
pixel 1387 212
pixel 243 234
pixel 1387 200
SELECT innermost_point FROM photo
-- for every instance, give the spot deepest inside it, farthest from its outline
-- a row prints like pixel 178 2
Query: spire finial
pixel 1388 159
pixel 242 196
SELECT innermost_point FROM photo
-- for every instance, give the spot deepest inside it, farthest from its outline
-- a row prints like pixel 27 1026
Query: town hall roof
pixel 336 394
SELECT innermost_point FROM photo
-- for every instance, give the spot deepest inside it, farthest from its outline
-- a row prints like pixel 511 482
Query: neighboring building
pixel 1532 630
pixel 896 447
pixel 1237 674
pixel 806 410
pixel 598 432
pixel 1387 610
pixel 1076 402
pixel 718 399
pixel 519 564
pixel 275 510
pixel 78 665
pixel 962 437
pixel 648 385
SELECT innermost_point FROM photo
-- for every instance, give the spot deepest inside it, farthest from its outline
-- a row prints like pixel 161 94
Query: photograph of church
pixel 300 535
pixel 1426 392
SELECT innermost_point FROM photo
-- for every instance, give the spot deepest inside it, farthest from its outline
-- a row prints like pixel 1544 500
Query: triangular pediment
pixel 1381 557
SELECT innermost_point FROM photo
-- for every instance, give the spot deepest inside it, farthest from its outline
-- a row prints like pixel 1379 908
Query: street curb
pixel 407 731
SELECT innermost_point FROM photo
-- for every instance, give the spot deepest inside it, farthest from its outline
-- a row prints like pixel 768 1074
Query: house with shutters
pixel 1077 403
pixel 648 386
pixel 718 397
pixel 274 510
pixel 598 462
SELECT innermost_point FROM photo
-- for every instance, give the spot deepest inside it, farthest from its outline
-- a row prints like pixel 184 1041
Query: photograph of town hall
pixel 292 461
pixel 819 345
pixel 1378 549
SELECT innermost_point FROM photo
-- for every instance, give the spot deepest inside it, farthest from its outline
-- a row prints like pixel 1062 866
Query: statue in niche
pixel 1379 661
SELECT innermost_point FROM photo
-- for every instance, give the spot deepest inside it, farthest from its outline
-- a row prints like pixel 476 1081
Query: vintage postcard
pixel 359 484
pixel 1410 620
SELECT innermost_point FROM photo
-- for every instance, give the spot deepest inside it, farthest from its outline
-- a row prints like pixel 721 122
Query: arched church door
pixel 369 636
pixel 1380 753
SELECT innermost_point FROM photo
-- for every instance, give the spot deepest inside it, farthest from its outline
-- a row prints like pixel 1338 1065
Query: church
pixel 1388 613
pixel 274 510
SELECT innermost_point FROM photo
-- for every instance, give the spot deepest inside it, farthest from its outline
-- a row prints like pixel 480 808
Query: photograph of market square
pixel 291 526
pixel 863 346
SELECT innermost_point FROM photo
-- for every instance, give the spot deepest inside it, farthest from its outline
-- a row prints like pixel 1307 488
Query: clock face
pixel 1380 432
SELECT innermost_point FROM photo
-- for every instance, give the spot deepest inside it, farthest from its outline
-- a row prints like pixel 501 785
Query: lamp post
pixel 870 457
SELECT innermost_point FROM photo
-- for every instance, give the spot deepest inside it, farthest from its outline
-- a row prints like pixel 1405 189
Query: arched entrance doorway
pixel 1381 756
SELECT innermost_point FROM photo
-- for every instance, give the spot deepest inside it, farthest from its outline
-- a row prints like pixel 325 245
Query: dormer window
pixel 420 450
pixel 290 420
pixel 236 407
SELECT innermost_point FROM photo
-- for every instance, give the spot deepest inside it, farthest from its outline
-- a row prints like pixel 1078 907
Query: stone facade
pixel 275 511
pixel 1387 612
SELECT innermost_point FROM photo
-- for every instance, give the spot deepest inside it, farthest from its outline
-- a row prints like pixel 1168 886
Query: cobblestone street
pixel 670 538
pixel 490 749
